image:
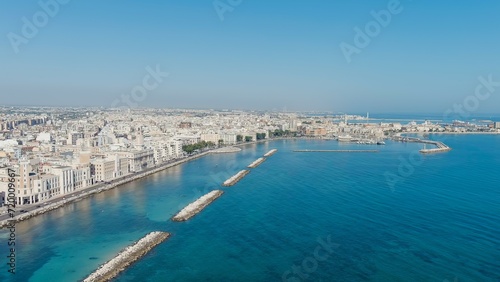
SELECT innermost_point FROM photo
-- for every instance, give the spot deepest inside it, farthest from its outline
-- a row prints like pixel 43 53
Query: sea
pixel 391 215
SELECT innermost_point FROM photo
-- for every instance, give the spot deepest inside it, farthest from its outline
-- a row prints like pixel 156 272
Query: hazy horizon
pixel 402 56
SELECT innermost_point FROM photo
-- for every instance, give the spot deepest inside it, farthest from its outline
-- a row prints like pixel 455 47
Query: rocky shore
pixel 197 206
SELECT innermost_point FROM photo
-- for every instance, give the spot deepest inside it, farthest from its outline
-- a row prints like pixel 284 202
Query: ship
pixel 344 138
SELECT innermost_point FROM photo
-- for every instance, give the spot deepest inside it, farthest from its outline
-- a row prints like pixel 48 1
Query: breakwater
pixel 336 151
pixel 256 163
pixel 440 146
pixel 197 206
pixel 235 178
pixel 270 153
pixel 126 257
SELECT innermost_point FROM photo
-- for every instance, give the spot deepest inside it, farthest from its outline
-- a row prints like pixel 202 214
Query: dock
pixel 256 163
pixel 270 153
pixel 235 178
pixel 336 151
pixel 127 256
pixel 197 206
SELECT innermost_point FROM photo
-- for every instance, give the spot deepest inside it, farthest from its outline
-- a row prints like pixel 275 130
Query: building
pixel 74 136
pixel 139 160
pixel 214 138
pixel 185 124
pixel 103 169
pixel 497 125
pixel 65 174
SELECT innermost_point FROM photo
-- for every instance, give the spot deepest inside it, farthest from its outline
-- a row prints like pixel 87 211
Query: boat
pixel 380 143
pixel 344 138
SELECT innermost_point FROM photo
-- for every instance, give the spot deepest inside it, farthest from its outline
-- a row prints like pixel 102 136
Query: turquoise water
pixel 388 216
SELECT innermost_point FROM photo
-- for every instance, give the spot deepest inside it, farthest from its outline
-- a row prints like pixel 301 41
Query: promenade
pixel 30 211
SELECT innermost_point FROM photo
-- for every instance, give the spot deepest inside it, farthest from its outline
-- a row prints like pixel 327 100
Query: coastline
pixel 79 195
pixel 62 200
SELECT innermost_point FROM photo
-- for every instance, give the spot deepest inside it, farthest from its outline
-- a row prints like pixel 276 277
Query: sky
pixel 417 56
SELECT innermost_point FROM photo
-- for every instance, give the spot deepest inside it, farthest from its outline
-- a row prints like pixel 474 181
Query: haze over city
pixel 424 57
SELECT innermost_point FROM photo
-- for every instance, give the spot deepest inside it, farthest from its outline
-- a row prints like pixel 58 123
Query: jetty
pixel 197 206
pixel 270 153
pixel 235 178
pixel 256 163
pixel 440 146
pixel 336 151
pixel 127 256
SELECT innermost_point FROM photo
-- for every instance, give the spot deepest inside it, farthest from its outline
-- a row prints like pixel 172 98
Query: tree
pixel 248 138
pixel 220 142
pixel 239 138
pixel 261 136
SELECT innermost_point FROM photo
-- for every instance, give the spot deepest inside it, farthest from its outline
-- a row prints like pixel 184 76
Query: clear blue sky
pixel 263 55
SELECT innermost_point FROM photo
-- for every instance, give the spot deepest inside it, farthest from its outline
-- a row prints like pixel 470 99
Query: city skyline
pixel 250 55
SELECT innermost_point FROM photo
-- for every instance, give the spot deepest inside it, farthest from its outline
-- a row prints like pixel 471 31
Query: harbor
pixel 235 178
pixel 270 153
pixel 256 163
pixel 126 257
pixel 336 151
pixel 197 206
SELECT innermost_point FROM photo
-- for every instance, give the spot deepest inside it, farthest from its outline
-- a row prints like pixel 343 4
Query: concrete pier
pixel 126 257
pixel 257 163
pixel 440 146
pixel 197 206
pixel 270 153
pixel 235 178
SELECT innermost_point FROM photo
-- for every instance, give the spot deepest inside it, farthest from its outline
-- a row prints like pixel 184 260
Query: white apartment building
pixel 214 138
pixel 103 169
pixel 65 174
pixel 228 138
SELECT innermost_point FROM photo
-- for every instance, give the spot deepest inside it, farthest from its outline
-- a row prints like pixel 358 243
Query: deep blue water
pixel 389 216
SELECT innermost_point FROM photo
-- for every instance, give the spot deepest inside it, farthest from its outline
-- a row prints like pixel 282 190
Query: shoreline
pixel 65 199
pixel 126 257
pixel 62 200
